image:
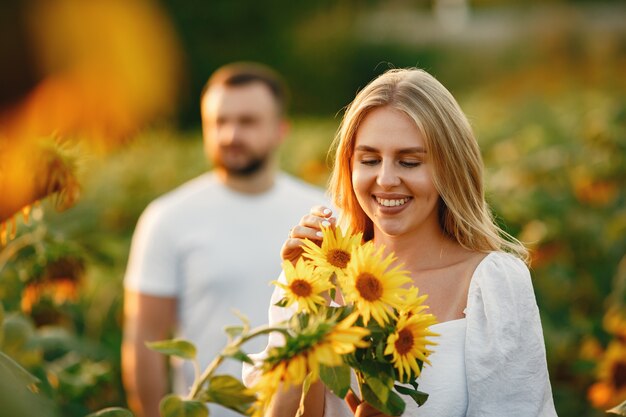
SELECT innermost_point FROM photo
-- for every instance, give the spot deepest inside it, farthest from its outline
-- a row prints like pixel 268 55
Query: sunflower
pixel 413 303
pixel 372 286
pixel 322 342
pixel 304 285
pixel 265 388
pixel 610 390
pixel 408 344
pixel 335 252
pixel 614 322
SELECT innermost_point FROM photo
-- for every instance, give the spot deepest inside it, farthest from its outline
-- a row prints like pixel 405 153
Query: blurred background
pixel 99 114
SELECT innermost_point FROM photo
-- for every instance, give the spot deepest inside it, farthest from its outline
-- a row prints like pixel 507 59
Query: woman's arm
pixel 286 403
pixel 505 356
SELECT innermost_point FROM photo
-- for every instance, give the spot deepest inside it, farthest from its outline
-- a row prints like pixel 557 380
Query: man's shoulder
pixel 188 194
pixel 299 188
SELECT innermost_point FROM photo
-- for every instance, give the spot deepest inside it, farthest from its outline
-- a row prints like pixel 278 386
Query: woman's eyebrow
pixel 416 149
pixel 365 148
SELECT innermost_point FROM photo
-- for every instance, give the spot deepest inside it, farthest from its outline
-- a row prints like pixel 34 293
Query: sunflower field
pixel 89 139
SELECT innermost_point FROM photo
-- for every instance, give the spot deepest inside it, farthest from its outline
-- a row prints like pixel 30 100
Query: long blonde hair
pixel 454 153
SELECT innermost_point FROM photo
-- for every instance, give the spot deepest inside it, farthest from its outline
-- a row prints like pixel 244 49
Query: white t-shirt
pixel 215 250
pixel 492 363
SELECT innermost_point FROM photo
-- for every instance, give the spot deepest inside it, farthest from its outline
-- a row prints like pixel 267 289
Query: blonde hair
pixel 453 151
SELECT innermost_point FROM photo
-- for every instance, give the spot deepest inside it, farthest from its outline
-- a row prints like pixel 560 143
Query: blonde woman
pixel 408 174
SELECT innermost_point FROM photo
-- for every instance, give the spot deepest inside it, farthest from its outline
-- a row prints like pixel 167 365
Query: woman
pixel 408 174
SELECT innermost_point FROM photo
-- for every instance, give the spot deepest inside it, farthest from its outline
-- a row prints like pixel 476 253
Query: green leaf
pixel 379 388
pixel 1 325
pixel 418 396
pixel 282 303
pixel 15 369
pixel 620 410
pixel 174 406
pixel 233 331
pixel 394 406
pixel 18 330
pixel 112 412
pixel 238 354
pixel 229 392
pixel 175 347
pixel 383 372
pixel 243 318
pixel 336 378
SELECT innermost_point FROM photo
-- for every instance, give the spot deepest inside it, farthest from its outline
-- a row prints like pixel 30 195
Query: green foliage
pixel 112 412
pixel 174 406
pixel 233 331
pixel 17 392
pixel 385 400
pixel 175 347
pixel 19 374
pixel 336 378
pixel 418 396
pixel 237 354
pixel 228 392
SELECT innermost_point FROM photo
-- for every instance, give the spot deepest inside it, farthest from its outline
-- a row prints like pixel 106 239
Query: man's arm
pixel 144 372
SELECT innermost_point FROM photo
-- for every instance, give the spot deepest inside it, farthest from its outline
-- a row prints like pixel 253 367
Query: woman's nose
pixel 387 175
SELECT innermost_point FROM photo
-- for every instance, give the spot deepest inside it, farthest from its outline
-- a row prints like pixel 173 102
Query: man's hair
pixel 242 73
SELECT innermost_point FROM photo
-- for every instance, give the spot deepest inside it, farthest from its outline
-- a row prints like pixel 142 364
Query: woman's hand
pixel 362 409
pixel 310 227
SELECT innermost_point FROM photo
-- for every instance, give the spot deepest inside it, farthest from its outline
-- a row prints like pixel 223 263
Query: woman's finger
pixel 352 401
pixel 305 232
pixel 310 227
pixel 321 211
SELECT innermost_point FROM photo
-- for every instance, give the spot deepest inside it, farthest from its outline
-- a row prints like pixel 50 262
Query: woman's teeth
pixel 392 203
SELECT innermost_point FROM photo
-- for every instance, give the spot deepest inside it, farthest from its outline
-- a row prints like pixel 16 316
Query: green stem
pixel 18 244
pixel 208 372
pixel 360 381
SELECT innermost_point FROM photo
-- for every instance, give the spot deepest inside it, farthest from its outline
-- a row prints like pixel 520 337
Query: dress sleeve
pixel 505 355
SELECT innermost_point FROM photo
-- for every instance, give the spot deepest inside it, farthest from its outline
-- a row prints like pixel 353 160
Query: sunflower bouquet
pixel 353 314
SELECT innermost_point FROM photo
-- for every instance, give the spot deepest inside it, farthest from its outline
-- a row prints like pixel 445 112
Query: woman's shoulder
pixel 498 267
pixel 501 278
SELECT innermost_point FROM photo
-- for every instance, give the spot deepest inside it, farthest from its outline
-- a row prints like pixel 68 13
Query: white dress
pixel 490 363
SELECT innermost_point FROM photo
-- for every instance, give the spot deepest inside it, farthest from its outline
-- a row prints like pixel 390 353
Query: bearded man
pixel 213 244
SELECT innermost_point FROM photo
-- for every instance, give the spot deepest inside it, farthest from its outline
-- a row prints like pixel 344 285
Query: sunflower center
pixel 369 286
pixel 338 258
pixel 405 341
pixel 301 288
pixel 619 375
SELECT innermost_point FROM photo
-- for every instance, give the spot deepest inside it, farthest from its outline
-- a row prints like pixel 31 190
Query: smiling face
pixel 391 174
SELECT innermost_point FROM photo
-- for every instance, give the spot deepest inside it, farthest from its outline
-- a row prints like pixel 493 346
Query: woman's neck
pixel 420 250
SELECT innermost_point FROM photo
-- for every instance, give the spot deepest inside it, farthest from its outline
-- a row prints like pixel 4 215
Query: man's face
pixel 242 127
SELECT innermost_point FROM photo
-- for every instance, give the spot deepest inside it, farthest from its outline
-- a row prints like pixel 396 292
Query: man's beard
pixel 252 166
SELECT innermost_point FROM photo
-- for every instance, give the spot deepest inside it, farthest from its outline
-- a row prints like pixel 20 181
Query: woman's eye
pixel 410 164
pixel 369 162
